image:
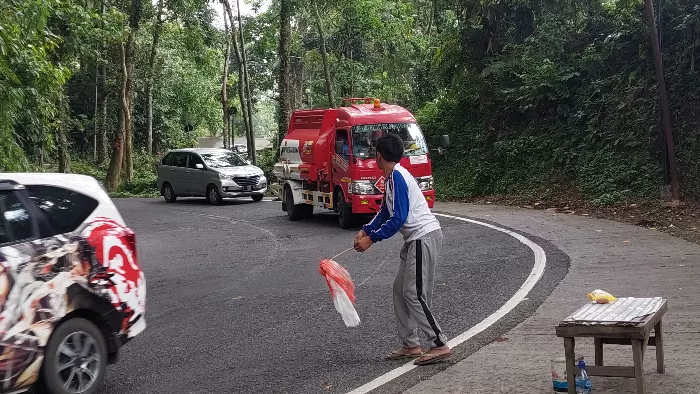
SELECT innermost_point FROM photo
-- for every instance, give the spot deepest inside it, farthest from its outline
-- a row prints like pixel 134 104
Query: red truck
pixel 327 159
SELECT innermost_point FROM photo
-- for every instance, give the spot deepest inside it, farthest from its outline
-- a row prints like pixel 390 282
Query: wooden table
pixel 627 321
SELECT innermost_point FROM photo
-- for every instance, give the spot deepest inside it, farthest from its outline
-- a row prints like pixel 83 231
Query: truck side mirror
pixel 444 141
pixel 339 147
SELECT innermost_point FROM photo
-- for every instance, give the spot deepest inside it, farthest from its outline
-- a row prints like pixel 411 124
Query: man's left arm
pixel 397 220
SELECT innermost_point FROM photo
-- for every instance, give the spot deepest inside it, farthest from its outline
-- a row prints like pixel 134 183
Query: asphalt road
pixel 235 303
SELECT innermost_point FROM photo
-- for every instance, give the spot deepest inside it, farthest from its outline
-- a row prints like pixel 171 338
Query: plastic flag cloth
pixel 342 290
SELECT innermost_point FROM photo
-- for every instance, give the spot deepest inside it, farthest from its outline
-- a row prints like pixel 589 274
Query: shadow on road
pixel 204 201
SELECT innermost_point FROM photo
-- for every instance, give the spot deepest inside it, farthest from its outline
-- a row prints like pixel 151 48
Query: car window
pixel 180 160
pixel 223 159
pixel 16 223
pixel 168 159
pixel 195 159
pixel 64 209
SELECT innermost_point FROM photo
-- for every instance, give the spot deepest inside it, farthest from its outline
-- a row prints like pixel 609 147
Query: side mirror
pixel 199 166
pixel 339 147
pixel 445 141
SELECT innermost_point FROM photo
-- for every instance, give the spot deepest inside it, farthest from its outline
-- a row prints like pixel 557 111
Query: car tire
pixel 257 197
pixel 169 194
pixel 346 219
pixel 295 212
pixel 213 195
pixel 82 338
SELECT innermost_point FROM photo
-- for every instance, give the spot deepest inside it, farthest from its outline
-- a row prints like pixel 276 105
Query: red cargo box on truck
pixel 327 159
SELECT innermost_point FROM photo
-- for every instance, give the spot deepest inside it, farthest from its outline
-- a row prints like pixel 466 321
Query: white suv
pixel 71 289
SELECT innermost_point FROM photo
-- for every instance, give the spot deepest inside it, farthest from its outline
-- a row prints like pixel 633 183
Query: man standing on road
pixel 405 210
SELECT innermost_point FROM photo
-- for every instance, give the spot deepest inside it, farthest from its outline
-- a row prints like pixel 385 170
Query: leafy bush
pixel 569 104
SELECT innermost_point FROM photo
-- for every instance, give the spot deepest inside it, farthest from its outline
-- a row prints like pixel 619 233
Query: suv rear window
pixel 64 209
pixel 15 223
pixel 180 160
pixel 168 159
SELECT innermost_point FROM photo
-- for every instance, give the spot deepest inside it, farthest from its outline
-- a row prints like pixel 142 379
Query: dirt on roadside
pixel 682 221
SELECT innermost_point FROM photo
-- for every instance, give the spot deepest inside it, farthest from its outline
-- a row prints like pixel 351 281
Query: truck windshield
pixel 225 159
pixel 364 138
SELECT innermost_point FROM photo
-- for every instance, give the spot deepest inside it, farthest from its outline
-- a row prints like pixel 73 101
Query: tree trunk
pixel 100 148
pixel 239 60
pixel 285 111
pixel 248 103
pixel 324 57
pixel 241 98
pixel 61 140
pixel 224 87
pixel 102 135
pixel 115 163
pixel 663 98
pixel 151 74
pixel 134 15
pixel 95 115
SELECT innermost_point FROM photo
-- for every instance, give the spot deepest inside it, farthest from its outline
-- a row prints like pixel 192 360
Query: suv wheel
pixel 257 197
pixel 213 195
pixel 168 193
pixel 75 359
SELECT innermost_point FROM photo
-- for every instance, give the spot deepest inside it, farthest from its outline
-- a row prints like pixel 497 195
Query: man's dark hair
pixel 390 147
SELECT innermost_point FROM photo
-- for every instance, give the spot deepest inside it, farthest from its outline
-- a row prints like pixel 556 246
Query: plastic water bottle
pixel 583 382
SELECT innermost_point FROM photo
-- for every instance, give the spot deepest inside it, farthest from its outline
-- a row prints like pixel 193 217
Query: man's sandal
pixel 401 355
pixel 431 358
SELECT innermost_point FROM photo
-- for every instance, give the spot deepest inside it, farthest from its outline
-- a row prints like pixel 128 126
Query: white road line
pixel 518 297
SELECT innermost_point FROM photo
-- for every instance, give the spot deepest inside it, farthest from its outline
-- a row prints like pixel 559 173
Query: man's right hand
pixel 359 236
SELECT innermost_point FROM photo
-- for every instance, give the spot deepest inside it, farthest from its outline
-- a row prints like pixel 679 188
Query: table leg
pixel 658 333
pixel 598 351
pixel 569 348
pixel 638 356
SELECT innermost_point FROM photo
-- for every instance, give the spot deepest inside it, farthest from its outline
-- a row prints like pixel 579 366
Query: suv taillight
pixel 131 239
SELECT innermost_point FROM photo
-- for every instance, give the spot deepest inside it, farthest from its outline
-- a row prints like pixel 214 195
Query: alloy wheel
pixel 78 362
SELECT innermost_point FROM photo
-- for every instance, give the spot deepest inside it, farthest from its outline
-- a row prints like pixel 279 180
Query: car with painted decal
pixel 209 172
pixel 72 292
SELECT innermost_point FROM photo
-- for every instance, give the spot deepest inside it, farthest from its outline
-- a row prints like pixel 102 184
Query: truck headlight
pixel 361 188
pixel 425 183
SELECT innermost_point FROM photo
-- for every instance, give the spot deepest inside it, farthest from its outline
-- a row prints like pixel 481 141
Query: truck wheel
pixel 75 359
pixel 295 212
pixel 345 216
pixel 308 211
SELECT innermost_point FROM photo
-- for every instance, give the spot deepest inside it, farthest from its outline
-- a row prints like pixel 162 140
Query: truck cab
pixel 327 159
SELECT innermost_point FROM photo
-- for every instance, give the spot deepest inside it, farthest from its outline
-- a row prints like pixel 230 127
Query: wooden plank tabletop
pixel 624 311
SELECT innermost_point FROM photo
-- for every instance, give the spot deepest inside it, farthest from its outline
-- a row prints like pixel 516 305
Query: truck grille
pixel 246 180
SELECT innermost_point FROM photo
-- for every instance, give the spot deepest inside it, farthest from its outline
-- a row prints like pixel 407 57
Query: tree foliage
pixel 536 95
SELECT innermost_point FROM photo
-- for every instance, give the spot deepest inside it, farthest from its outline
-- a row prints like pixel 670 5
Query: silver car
pixel 211 173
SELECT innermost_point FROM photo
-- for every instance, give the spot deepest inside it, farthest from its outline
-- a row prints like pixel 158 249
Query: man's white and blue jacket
pixel 404 210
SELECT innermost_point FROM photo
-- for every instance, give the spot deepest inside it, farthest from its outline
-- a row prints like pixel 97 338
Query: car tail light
pixel 131 239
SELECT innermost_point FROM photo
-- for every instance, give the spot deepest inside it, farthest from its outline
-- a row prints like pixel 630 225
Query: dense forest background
pixel 538 96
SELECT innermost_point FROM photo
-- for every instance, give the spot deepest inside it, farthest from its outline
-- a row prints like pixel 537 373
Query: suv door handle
pixel 172 170
pixel 189 172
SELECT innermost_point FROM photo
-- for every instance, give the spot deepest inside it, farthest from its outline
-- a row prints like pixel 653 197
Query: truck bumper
pixel 364 204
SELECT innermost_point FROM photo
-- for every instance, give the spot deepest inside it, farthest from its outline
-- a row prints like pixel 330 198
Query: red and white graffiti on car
pixel 126 284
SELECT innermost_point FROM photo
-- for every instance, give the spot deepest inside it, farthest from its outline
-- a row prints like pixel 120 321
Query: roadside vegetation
pixel 547 104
